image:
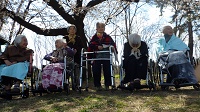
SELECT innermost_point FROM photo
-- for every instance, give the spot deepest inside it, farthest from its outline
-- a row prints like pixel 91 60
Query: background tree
pixel 72 12
pixel 51 17
pixel 186 18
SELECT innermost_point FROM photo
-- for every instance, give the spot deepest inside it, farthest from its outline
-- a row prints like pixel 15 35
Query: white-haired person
pixel 53 72
pixel 175 49
pixel 16 59
pixel 135 59
pixel 170 41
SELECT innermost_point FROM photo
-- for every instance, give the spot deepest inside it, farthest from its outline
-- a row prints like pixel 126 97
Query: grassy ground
pixel 184 100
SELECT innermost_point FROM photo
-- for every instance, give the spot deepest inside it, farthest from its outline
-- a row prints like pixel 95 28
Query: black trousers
pixel 96 69
pixel 135 68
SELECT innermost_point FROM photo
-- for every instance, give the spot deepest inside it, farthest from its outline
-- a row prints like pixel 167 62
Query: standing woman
pixel 16 61
pixel 97 43
pixel 75 42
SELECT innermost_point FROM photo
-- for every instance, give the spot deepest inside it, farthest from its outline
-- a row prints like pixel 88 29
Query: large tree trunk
pixel 190 44
pixel 80 31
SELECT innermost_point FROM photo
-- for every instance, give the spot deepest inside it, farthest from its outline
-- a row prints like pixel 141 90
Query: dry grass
pixel 184 100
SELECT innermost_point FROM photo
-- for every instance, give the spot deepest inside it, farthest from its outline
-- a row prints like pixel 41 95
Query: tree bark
pixel 190 43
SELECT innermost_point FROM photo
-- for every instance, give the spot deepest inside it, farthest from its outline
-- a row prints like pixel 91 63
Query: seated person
pixel 52 74
pixel 175 48
pixel 16 58
pixel 135 59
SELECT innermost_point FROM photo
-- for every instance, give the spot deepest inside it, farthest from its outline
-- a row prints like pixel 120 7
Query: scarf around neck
pixel 72 39
pixel 136 51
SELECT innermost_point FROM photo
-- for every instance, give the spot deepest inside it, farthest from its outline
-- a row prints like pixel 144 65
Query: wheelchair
pixel 148 82
pixel 175 69
pixel 68 75
pixel 84 64
pixel 24 88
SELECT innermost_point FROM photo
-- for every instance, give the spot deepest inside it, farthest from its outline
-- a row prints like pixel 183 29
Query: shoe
pixel 15 90
pixel 136 84
pixel 106 88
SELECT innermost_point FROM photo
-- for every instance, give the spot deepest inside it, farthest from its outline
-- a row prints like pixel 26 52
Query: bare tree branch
pixel 46 32
pixel 60 10
pixel 131 0
pixel 94 2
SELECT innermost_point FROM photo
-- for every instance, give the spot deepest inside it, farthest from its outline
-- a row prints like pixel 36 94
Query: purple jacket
pixel 60 54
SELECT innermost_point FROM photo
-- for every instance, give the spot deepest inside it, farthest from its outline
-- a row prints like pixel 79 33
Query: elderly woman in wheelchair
pixel 52 75
pixel 135 61
pixel 173 60
pixel 15 64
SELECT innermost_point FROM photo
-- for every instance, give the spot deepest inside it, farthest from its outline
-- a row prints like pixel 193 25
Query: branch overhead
pixel 34 28
pixel 60 10
pixel 131 0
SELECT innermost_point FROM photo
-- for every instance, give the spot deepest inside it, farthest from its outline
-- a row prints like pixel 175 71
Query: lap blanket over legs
pixel 52 75
pixel 179 66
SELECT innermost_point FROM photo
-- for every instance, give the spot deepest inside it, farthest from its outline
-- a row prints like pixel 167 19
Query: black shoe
pixel 136 84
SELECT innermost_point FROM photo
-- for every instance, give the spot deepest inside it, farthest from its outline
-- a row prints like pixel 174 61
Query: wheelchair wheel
pixel 34 77
pixel 25 94
pixel 66 88
pixel 152 86
pixel 75 78
pixel 79 89
pixel 74 82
